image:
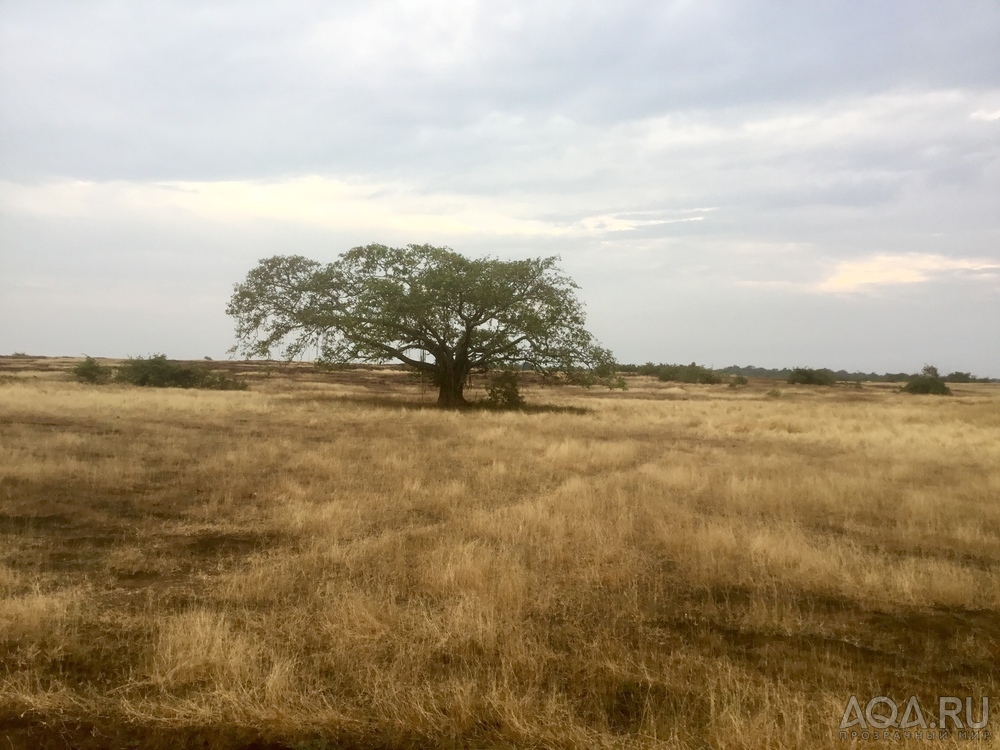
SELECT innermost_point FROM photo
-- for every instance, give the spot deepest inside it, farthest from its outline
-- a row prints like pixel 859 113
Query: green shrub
pixel 774 393
pixel 807 376
pixel 924 385
pixel 92 371
pixel 648 369
pixel 504 391
pixel 708 377
pixel 157 371
pixel 928 382
pixel 738 381
pixel 692 373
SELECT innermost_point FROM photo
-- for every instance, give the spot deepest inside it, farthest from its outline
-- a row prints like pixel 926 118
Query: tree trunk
pixel 451 384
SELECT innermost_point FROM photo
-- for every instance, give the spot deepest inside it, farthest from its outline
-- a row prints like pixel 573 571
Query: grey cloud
pixel 188 90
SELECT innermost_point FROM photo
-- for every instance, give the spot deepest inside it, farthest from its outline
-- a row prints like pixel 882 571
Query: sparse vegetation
pixel 322 562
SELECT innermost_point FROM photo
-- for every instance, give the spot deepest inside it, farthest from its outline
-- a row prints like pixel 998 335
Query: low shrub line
pixel 156 371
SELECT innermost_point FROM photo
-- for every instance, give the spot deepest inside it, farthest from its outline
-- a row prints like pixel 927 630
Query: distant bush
pixel 157 371
pixel 807 376
pixel 504 391
pixel 928 382
pixel 967 377
pixel 774 393
pixel 92 371
pixel 648 369
pixel 692 373
pixel 752 371
pixel 651 370
pixel 738 381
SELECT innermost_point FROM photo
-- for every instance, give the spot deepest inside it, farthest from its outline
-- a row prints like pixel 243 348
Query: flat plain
pixel 327 561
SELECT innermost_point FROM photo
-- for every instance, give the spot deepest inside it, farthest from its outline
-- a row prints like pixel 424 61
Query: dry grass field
pixel 324 561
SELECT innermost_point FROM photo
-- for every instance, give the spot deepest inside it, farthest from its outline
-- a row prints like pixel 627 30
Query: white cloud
pixel 985 116
pixel 312 200
pixel 852 275
pixel 628 222
pixel 328 203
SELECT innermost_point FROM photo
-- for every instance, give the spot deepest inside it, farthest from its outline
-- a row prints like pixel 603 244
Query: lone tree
pixel 378 304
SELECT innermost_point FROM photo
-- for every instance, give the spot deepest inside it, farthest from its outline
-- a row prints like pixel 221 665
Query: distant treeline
pixel 695 373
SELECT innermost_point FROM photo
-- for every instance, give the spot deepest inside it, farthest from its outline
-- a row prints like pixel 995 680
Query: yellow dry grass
pixel 317 561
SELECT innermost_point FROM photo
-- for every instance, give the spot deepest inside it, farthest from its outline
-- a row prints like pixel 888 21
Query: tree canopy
pixel 378 304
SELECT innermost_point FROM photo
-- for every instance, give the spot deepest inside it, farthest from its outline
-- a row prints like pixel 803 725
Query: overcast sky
pixel 769 183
